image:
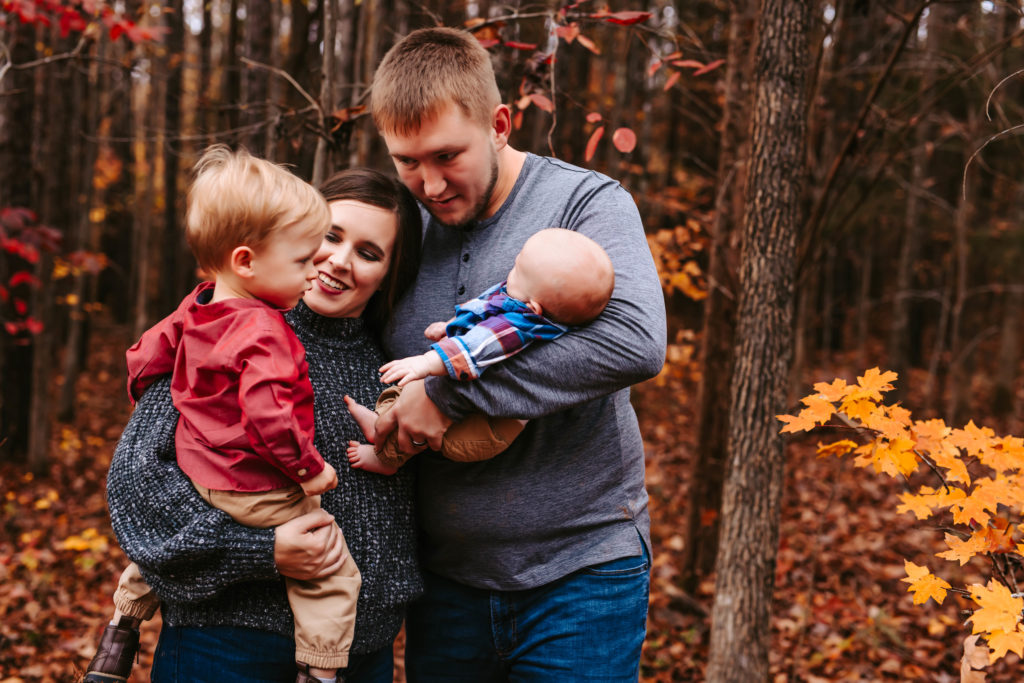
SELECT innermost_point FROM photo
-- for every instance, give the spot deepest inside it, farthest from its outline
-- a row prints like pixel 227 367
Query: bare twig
pixel 288 77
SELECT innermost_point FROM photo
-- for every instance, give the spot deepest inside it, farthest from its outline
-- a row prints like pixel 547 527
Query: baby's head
pixel 562 275
pixel 255 221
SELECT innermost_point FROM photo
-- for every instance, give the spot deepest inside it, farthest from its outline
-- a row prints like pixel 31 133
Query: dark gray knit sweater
pixel 210 571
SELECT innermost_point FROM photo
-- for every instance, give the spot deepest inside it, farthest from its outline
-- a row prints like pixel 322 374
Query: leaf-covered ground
pixel 841 612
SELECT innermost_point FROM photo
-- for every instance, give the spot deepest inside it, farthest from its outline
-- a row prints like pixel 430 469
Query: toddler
pixel 560 279
pixel 240 382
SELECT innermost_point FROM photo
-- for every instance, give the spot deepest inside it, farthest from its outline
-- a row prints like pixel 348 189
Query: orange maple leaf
pixel 924 584
pixel 837 448
pixel 890 457
pixel 961 550
pixel 796 423
pixel 1005 454
pixel 836 391
pixel 873 382
pixel 929 433
pixel 1002 642
pixel 917 504
pixel 972 438
pixel 882 421
pixel 819 408
pixel 858 408
pixel 998 610
pixel 971 508
pixel 947 456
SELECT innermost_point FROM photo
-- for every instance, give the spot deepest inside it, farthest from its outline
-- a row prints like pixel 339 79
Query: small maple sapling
pixel 980 486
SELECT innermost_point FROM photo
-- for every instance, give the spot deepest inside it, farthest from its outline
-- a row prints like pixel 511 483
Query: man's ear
pixel 242 262
pixel 501 125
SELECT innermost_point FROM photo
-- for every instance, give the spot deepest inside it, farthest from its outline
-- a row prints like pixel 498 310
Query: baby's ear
pixel 241 262
pixel 535 307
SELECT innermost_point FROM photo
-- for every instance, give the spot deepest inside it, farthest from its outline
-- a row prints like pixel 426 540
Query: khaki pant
pixel 473 439
pixel 324 609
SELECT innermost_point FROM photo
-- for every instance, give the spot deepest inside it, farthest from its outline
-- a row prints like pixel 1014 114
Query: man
pixel 538 560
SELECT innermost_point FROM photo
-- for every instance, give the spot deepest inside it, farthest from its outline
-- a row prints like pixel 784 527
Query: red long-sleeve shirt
pixel 241 384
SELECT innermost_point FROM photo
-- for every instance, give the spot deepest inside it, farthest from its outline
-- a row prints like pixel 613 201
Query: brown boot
pixel 115 655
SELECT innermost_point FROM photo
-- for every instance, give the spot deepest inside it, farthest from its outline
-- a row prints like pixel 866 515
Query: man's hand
pixel 405 370
pixel 321 483
pixel 309 547
pixel 415 419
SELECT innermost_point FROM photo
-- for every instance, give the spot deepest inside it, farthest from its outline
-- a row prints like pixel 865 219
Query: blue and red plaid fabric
pixel 489 329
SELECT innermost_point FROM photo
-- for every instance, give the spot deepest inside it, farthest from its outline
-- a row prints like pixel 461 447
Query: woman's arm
pixel 187 550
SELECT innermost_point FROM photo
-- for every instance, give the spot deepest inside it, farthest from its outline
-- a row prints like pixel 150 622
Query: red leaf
pixel 542 102
pixel 71 20
pixel 487 42
pixel 20 307
pixel 688 63
pixel 592 143
pixel 710 67
pixel 653 68
pixel 4 296
pixel 593 117
pixel 623 18
pixel 115 31
pixel 33 325
pixel 22 277
pixel 12 328
pixel 521 46
pixel 624 140
pixel 671 80
pixel 674 55
pixel 517 120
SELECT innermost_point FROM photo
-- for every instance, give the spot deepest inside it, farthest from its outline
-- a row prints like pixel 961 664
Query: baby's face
pixel 522 281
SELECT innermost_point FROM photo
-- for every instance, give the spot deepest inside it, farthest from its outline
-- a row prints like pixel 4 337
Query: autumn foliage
pixel 975 486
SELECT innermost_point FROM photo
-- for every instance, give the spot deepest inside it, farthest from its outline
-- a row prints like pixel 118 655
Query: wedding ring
pixel 416 443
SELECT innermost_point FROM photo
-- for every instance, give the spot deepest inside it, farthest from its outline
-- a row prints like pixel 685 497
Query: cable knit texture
pixel 210 571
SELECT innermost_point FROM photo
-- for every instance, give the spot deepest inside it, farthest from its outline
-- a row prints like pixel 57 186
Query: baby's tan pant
pixel 475 438
pixel 324 609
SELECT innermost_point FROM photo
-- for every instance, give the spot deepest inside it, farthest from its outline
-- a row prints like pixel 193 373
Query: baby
pixel 560 279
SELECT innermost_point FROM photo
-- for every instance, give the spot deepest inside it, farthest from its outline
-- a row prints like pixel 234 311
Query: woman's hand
pixel 309 547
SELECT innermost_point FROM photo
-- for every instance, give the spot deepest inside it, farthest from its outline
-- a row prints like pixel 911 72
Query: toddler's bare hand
pixel 321 483
pixel 435 331
pixel 405 370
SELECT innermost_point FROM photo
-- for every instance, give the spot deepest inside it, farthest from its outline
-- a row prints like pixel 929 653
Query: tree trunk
pixel 741 628
pixel 322 165
pixel 87 97
pixel 708 473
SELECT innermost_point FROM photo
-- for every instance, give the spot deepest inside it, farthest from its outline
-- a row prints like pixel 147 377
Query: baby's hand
pixel 405 370
pixel 321 483
pixel 435 331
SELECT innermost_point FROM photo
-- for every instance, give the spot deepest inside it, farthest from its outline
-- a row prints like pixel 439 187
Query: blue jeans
pixel 588 626
pixel 232 653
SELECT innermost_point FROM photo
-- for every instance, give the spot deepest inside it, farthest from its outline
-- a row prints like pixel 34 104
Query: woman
pixel 224 608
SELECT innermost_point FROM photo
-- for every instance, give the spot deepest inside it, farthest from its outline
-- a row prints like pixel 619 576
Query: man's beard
pixel 481 203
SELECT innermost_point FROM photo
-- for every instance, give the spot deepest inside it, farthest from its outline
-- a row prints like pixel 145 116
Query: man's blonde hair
pixel 428 70
pixel 237 200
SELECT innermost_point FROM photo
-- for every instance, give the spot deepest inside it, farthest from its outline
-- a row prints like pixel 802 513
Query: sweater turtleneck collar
pixel 308 323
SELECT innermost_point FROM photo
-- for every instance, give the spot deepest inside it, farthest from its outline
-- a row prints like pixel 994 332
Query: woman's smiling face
pixel 353 260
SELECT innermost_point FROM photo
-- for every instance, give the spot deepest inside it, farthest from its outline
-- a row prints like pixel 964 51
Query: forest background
pixel 896 180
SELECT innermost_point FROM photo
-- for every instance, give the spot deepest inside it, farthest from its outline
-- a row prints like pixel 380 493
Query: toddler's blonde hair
pixel 237 200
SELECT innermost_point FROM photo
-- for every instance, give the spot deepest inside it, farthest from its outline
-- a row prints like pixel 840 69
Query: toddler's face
pixel 283 267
